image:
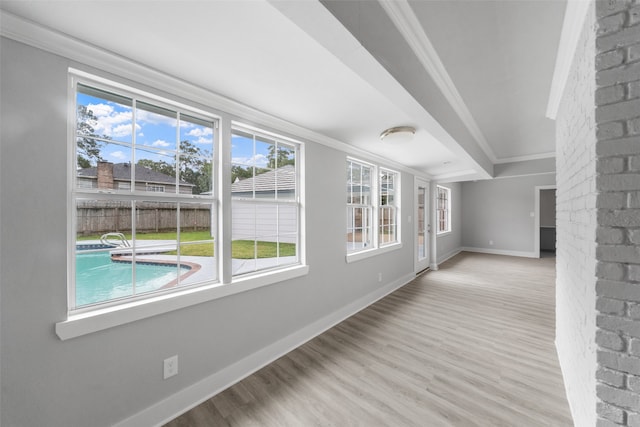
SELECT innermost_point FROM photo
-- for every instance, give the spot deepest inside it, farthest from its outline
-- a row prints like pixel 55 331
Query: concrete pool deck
pixel 209 268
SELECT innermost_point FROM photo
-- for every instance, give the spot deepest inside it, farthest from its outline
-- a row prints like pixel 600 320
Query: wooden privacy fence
pixel 97 216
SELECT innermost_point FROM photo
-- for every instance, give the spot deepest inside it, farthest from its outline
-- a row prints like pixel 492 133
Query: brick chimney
pixel 105 175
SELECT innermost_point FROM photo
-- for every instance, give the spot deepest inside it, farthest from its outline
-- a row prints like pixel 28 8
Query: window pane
pixel 156 127
pixel 264 154
pixel 286 155
pixel 286 182
pixel 358 229
pixel 196 133
pixel 156 172
pixel 242 150
pixel 264 183
pixel 288 226
pixel 112 167
pixel 197 242
pixel 103 234
pixel 103 115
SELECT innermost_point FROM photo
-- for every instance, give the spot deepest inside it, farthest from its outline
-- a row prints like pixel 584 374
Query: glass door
pixel 422 225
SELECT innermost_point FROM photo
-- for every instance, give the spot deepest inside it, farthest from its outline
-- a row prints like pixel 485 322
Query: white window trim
pixel 85 321
pixel 396 205
pixel 377 248
pixel 449 227
pixel 296 201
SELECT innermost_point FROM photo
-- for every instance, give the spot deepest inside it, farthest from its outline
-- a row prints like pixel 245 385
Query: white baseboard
pixel 180 402
pixel 449 255
pixel 499 252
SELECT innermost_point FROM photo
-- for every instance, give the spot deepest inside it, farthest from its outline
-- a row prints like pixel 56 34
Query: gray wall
pixel 450 243
pixel 101 378
pixel 499 210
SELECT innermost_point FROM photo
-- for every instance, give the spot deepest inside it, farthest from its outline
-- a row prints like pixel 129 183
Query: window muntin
pixel 372 206
pixel 130 239
pixel 360 207
pixel 443 210
pixel 265 208
pixel 387 220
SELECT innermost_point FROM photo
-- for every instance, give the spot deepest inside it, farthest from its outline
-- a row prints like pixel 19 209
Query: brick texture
pixel 577 228
pixel 617 99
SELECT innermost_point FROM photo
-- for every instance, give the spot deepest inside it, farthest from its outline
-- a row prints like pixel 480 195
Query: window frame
pixel 91 319
pixel 257 201
pixel 369 207
pixel 377 247
pixel 394 207
pixel 446 210
pixel 132 194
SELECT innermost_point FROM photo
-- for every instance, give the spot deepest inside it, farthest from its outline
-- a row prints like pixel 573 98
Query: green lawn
pixel 185 236
pixel 240 249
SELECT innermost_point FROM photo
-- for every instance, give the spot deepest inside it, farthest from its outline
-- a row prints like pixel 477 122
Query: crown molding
pixel 407 23
pixel 574 16
pixel 526 158
pixel 33 34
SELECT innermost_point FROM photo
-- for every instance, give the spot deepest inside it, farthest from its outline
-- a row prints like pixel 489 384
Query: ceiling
pixel 473 77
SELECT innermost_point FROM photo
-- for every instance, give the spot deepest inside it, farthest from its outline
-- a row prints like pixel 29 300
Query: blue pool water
pixel 100 279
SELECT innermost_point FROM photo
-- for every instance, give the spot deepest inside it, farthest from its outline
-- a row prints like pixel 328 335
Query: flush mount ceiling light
pixel 398 134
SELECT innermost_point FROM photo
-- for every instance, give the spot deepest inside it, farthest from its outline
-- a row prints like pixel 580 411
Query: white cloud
pixel 257 160
pixel 147 117
pixel 119 155
pixel 200 131
pixel 160 143
pixel 110 122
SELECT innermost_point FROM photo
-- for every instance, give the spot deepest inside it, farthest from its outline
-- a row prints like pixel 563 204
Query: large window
pixel 443 210
pixel 364 211
pixel 265 207
pixel 144 208
pixel 388 207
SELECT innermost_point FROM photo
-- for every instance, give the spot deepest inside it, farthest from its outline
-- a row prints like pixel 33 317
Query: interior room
pixel 230 213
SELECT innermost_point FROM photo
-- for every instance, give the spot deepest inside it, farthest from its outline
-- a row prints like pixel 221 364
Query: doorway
pixel 545 221
pixel 421 225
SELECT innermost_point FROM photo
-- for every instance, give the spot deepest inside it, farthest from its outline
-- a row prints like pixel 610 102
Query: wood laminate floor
pixel 468 345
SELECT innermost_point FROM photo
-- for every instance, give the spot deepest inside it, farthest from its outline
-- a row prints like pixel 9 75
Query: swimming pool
pixel 100 279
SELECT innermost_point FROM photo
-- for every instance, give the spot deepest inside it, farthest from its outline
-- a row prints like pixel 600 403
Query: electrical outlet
pixel 491 242
pixel 379 277
pixel 171 366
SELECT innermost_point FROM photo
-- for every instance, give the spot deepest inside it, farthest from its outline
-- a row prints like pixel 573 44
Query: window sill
pixel 443 233
pixel 357 256
pixel 85 323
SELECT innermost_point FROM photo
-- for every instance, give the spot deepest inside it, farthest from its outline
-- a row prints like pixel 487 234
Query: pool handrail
pixel 124 243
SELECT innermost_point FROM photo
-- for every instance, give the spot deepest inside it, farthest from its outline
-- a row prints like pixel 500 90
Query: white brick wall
pixel 576 228
pixel 618 212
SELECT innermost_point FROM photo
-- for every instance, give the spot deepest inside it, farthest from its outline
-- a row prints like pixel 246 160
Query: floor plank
pixel 468 345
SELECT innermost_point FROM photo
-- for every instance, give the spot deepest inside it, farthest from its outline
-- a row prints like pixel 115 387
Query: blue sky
pixel 156 137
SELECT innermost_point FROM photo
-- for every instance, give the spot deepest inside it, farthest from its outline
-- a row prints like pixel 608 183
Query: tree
pixel 88 148
pixel 238 172
pixel 283 158
pixel 194 166
pixel 158 166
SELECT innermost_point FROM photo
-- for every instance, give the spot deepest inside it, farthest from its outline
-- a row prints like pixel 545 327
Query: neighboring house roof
pixel 122 172
pixel 265 182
